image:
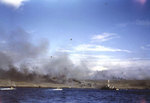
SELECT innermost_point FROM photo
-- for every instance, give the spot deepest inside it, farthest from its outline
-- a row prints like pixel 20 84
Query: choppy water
pixel 41 95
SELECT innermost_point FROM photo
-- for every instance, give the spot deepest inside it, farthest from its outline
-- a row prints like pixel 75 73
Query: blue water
pixel 43 95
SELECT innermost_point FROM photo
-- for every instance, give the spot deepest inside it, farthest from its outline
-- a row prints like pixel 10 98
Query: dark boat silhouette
pixel 108 87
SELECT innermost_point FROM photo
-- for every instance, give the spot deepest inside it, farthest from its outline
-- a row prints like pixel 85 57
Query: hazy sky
pixel 103 32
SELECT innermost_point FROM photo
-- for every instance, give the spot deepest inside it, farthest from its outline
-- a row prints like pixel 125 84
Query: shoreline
pixel 77 88
pixel 82 84
pixel 74 88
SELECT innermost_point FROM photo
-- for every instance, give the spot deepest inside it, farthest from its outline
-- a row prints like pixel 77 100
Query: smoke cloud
pixel 22 59
pixel 129 69
pixel 16 46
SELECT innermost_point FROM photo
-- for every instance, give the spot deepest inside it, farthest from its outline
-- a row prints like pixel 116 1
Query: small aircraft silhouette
pixel 106 3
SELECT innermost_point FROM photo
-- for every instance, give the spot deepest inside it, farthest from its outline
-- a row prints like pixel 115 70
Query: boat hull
pixel 7 88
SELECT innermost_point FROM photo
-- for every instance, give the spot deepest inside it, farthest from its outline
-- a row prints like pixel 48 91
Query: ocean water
pixel 44 95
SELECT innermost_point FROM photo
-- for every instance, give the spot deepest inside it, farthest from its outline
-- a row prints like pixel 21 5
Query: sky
pixel 105 33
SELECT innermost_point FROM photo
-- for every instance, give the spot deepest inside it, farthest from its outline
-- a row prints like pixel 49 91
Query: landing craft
pixel 58 89
pixel 108 87
pixel 11 88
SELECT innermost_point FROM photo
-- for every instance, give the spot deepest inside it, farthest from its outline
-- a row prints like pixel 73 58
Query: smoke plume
pixel 23 59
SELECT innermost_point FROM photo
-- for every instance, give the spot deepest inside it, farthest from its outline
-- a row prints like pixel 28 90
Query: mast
pixel 108 83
